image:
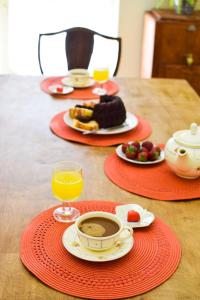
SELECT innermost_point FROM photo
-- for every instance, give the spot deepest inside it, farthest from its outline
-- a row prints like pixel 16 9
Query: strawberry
pixel 133 216
pixel 131 152
pixel 153 155
pixel 157 149
pixel 59 89
pixel 136 144
pixel 142 156
pixel 143 149
pixel 124 147
pixel 148 145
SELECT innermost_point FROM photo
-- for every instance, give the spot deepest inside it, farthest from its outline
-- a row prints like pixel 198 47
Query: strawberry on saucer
pixel 134 215
pixel 60 89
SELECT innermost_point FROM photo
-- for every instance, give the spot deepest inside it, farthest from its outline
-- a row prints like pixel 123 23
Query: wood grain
pixel 29 150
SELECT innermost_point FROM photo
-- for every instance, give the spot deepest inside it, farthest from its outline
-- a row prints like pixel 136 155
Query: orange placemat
pixel 152 181
pixel 83 94
pixel 141 132
pixel 153 259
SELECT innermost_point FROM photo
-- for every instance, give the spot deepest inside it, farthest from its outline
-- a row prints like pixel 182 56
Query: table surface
pixel 29 150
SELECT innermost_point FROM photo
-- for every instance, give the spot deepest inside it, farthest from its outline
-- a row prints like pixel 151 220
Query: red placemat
pixel 141 132
pixel 153 259
pixel 152 181
pixel 84 94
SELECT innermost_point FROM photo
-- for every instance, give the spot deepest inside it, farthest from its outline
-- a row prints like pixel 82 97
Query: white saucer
pixel 71 243
pixel 121 154
pixel 130 123
pixel 146 217
pixel 66 89
pixel 67 81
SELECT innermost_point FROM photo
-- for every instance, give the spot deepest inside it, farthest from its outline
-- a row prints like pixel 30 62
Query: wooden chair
pixel 79 46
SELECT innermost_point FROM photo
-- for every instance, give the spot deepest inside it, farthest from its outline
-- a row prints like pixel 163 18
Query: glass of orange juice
pixel 100 75
pixel 67 185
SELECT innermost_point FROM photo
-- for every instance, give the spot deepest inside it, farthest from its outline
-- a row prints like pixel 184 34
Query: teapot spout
pixel 182 153
pixel 183 161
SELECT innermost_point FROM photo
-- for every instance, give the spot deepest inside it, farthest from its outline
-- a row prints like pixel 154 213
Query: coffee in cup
pixel 100 230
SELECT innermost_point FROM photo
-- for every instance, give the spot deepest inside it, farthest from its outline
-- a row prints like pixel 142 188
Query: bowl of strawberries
pixel 145 152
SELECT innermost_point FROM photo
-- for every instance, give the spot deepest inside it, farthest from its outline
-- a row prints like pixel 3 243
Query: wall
pixel 130 29
pixel 4 68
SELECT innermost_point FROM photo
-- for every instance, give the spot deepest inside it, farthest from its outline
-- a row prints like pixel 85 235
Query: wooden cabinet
pixel 171 46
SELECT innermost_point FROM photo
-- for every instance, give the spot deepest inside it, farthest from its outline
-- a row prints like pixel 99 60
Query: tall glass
pixel 67 185
pixel 100 75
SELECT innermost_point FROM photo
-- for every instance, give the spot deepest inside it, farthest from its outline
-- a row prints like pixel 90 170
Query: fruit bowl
pixel 137 153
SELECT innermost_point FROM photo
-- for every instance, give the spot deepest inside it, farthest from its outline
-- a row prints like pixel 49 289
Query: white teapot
pixel 182 152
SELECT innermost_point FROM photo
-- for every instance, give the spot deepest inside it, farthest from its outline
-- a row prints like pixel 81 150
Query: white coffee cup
pixel 79 77
pixel 103 242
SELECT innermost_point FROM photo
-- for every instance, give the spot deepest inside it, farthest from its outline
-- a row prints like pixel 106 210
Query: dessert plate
pixel 66 89
pixel 146 217
pixel 67 81
pixel 121 154
pixel 130 123
pixel 71 243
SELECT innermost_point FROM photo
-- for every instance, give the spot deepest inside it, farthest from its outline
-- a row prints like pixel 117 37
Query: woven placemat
pixel 83 93
pixel 58 127
pixel 152 181
pixel 153 259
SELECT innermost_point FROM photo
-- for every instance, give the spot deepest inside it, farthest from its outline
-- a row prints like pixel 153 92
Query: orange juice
pixel 101 75
pixel 67 185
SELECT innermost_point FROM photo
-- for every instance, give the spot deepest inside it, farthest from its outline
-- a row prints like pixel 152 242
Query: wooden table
pixel 29 151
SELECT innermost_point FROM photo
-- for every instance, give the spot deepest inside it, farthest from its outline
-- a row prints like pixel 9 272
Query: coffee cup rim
pixel 92 213
pixel 79 70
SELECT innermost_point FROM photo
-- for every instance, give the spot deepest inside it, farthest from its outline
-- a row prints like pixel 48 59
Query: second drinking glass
pixel 100 75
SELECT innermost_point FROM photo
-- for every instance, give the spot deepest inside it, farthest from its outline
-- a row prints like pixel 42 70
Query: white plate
pixel 121 154
pixel 66 89
pixel 130 123
pixel 71 243
pixel 67 81
pixel 146 217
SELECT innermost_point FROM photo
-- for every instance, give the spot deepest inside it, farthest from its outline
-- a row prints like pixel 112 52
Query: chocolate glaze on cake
pixel 109 112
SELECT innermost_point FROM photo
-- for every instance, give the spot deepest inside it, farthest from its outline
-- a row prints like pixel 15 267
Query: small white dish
pixel 66 89
pixel 72 244
pixel 146 217
pixel 121 154
pixel 130 123
pixel 67 81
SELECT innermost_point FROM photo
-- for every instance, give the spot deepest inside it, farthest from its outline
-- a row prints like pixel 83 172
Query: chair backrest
pixel 79 46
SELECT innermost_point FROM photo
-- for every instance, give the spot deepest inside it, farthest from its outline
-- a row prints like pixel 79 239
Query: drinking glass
pixel 100 75
pixel 67 185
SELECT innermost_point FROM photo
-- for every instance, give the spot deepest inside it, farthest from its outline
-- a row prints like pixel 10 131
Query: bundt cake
pixel 109 112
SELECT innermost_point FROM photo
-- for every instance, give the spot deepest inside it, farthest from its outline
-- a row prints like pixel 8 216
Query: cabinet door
pixel 175 40
pixel 191 74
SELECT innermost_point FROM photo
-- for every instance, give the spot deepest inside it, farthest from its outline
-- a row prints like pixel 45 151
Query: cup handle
pixel 129 233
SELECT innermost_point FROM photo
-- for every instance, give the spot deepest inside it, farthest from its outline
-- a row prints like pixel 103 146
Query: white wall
pixel 4 68
pixel 130 30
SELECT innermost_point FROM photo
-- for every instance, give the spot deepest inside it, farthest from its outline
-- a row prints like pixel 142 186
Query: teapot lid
pixel 189 138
